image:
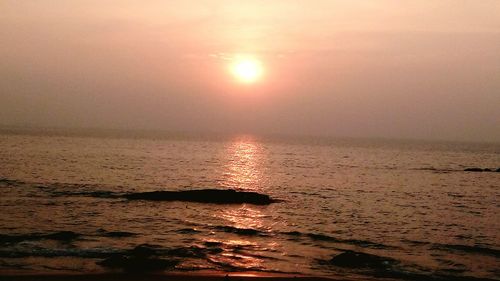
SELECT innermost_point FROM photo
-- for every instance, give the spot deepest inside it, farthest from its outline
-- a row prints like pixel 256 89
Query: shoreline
pixel 171 276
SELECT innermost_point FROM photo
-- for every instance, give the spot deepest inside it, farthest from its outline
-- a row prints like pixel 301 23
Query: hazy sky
pixel 381 68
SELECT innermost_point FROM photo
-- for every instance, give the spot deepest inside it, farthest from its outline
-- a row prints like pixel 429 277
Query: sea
pixel 352 209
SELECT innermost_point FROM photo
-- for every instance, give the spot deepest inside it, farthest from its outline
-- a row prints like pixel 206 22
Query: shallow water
pixel 407 202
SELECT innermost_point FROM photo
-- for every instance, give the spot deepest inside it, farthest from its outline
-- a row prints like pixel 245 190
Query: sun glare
pixel 247 70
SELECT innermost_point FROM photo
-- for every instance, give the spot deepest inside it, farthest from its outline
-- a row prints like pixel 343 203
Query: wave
pixel 476 249
pixel 140 250
pixel 468 249
pixel 115 234
pixel 64 236
pixel 96 194
pixel 327 238
pixel 187 231
pixel 10 182
pixel 312 236
pixel 53 252
pixel 61 236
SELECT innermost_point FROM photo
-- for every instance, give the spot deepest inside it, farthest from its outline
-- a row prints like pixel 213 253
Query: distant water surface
pixel 409 202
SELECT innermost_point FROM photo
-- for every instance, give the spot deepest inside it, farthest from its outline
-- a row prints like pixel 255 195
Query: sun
pixel 247 70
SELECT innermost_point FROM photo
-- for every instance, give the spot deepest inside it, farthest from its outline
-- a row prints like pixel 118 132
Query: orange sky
pixel 411 69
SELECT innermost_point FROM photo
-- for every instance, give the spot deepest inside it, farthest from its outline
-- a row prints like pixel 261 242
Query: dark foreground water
pixel 384 209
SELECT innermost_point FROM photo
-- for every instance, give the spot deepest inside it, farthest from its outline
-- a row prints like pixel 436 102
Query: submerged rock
pixel 62 236
pixel 143 251
pixel 136 264
pixel 217 196
pixel 241 231
pixel 140 259
pixel 475 169
pixel 361 260
pixel 119 234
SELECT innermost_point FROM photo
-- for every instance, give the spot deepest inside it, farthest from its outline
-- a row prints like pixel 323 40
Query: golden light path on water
pixel 245 165
pixel 244 171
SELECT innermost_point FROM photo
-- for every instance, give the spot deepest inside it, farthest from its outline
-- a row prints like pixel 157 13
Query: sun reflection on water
pixel 244 170
pixel 245 165
pixel 244 217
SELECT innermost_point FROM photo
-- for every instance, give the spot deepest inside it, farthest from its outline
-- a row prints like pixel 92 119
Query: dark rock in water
pixel 217 196
pixel 140 259
pixel 476 169
pixel 143 251
pixel 119 234
pixel 241 231
pixel 361 260
pixel 115 261
pixel 7 239
pixel 135 264
pixel 213 244
pixel 383 267
pixel 62 236
pixel 188 252
pixel 473 170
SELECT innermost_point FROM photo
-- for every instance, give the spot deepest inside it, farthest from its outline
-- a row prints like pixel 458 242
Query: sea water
pixel 409 205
